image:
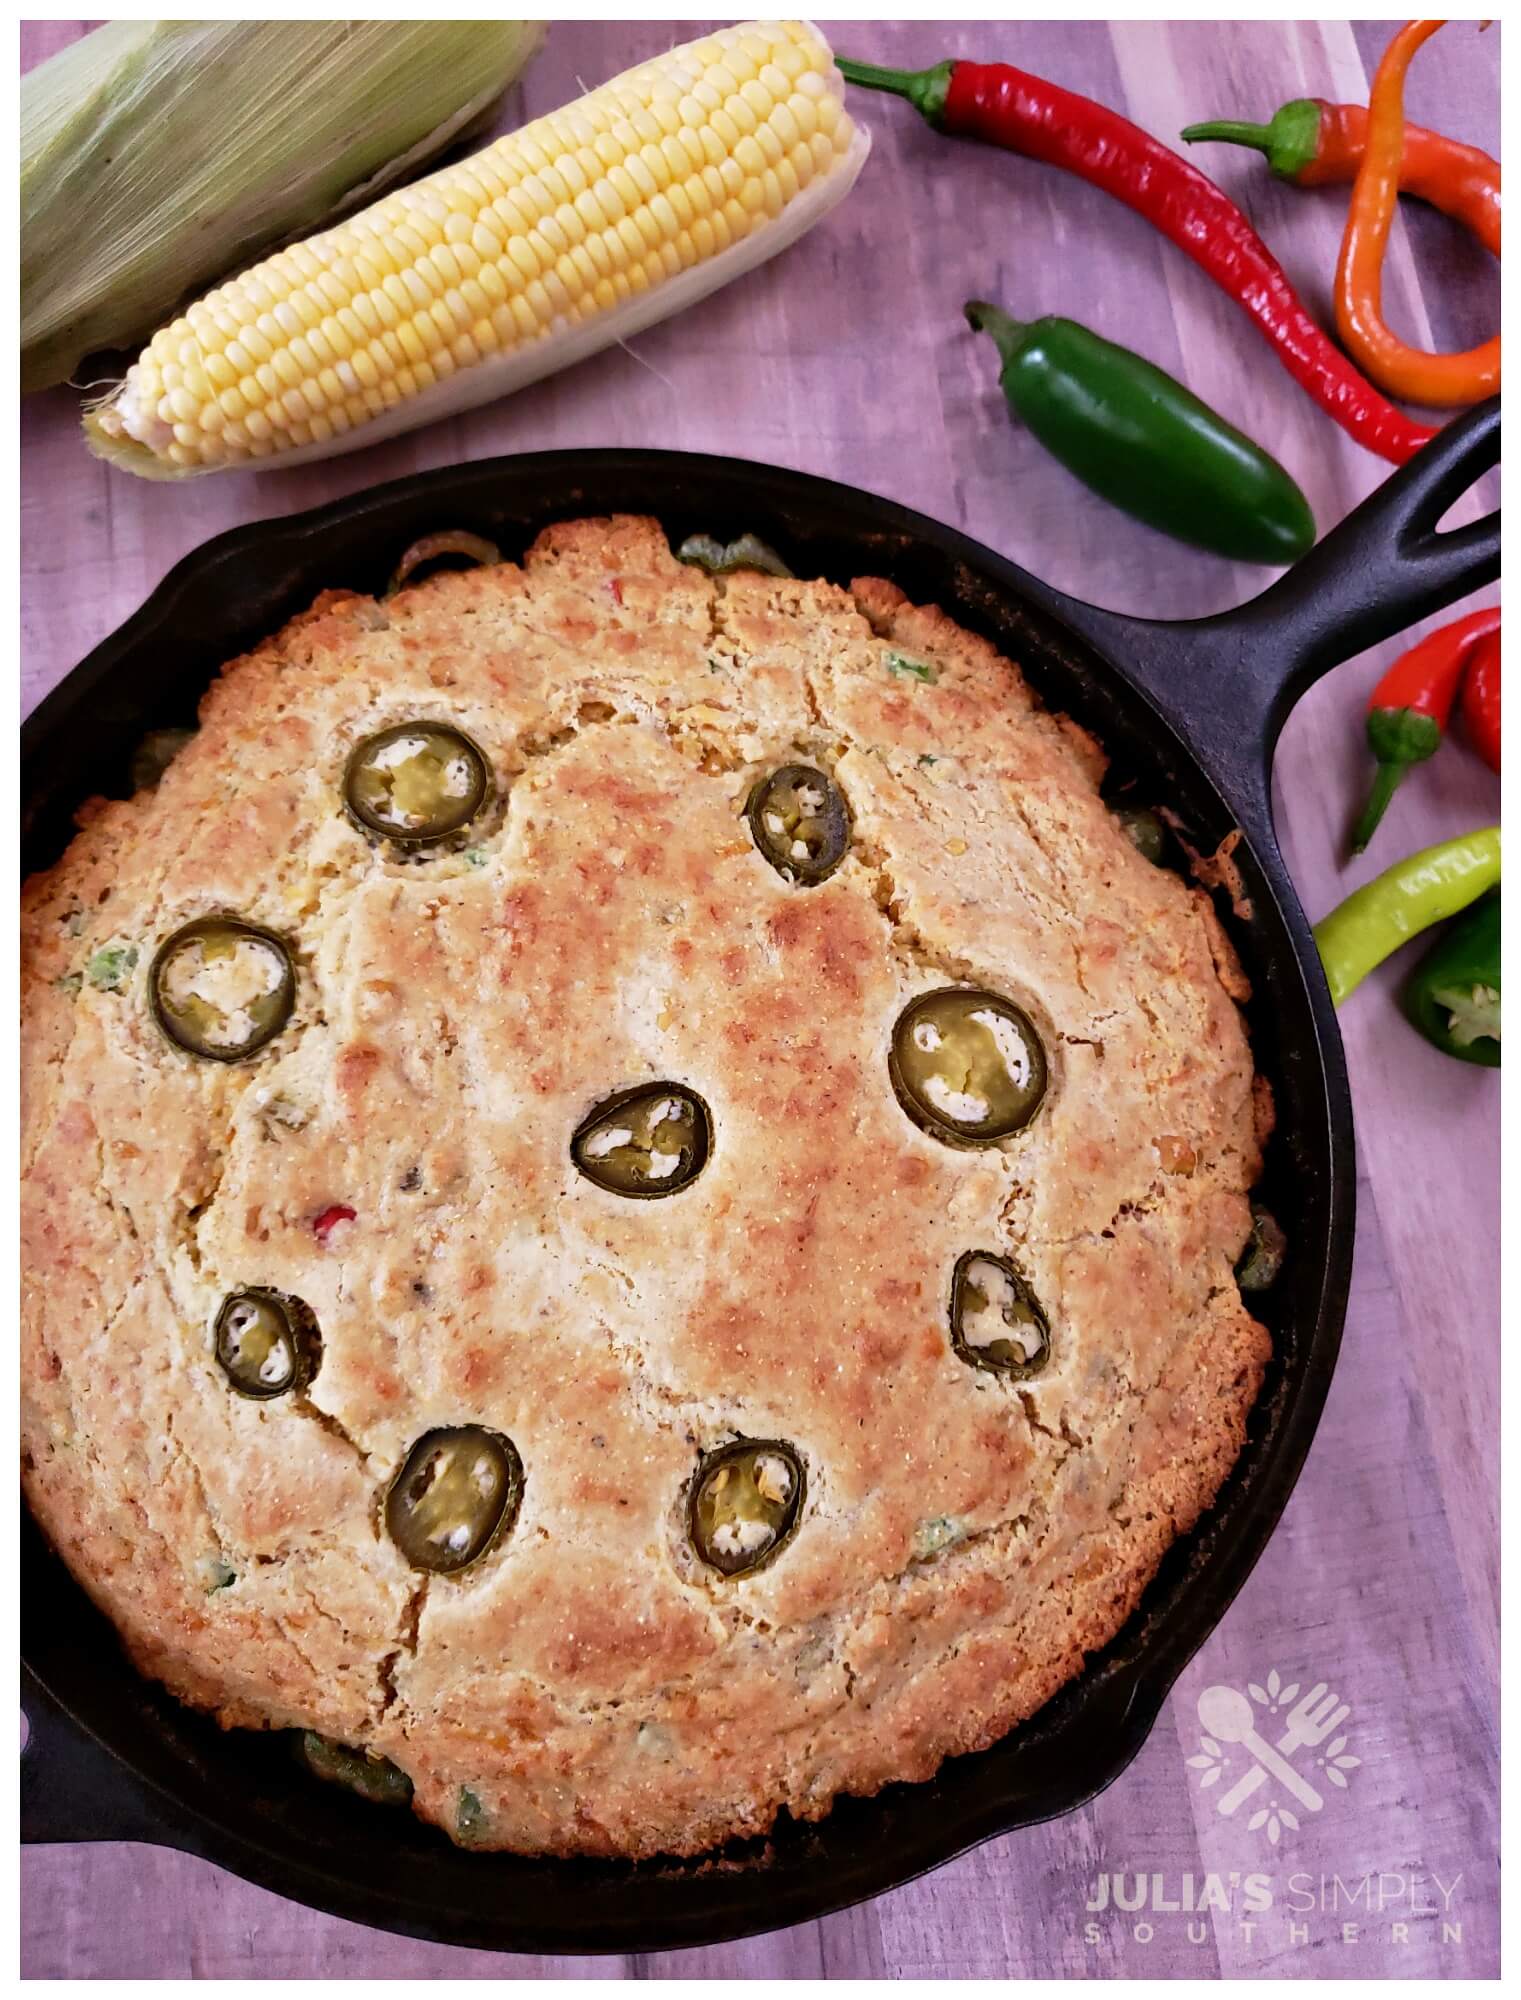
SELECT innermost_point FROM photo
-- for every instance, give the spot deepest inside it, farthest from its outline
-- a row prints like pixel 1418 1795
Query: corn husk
pixel 158 155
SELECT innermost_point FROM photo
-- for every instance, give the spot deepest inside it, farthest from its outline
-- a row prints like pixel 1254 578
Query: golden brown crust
pixel 965 1541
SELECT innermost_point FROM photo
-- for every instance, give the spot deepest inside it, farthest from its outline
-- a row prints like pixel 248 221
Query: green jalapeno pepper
pixel 649 1141
pixel 1145 832
pixel 373 1777
pixel 416 783
pixel 451 543
pixel 1262 1259
pixel 1139 439
pixel 744 1504
pixel 718 559
pixel 457 1493
pixel 800 823
pixel 1408 898
pixel 968 1067
pixel 267 1344
pixel 1453 995
pixel 219 988
pixel 996 1320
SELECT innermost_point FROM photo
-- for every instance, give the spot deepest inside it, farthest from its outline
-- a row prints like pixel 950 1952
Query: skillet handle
pixel 1384 567
pixel 1229 682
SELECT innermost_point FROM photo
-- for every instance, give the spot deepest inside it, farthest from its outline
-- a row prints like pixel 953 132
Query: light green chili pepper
pixel 1387 912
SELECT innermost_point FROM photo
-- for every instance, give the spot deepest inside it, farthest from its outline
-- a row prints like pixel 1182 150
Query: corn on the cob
pixel 576 231
pixel 158 155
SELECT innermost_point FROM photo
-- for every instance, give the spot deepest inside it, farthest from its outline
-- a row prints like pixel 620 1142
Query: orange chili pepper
pixel 1441 380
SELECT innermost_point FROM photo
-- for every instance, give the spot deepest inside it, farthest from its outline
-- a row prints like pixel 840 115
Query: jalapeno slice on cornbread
pixel 416 783
pixel 1262 1259
pixel 457 1494
pixel 744 1504
pixel 968 1067
pixel 154 754
pixel 649 1141
pixel 1144 830
pixel 221 988
pixel 721 559
pixel 996 1320
pixel 800 822
pixel 266 1344
pixel 372 1777
pixel 447 545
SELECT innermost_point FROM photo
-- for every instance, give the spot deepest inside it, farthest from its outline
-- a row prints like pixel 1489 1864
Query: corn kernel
pixel 738 118
pixel 521 256
pixel 624 188
pixel 805 115
pixel 255 345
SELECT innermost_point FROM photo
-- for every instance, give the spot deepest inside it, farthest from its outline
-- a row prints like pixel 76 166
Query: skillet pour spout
pixel 1191 712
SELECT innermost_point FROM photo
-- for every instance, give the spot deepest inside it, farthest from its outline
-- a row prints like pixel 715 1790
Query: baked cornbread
pixel 714 1285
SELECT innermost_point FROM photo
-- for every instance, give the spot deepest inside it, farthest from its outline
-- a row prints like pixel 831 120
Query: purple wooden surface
pixel 845 357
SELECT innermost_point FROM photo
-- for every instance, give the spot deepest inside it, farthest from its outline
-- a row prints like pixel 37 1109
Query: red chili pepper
pixel 1481 698
pixel 1408 710
pixel 1312 144
pixel 1007 107
pixel 329 1219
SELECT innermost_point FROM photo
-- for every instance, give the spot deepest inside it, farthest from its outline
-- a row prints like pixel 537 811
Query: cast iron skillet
pixel 1191 713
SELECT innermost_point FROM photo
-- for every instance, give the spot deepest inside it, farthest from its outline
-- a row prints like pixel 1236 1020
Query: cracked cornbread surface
pixel 398 1158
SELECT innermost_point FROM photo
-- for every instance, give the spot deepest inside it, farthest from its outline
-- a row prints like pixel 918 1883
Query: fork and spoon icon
pixel 1228 1715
